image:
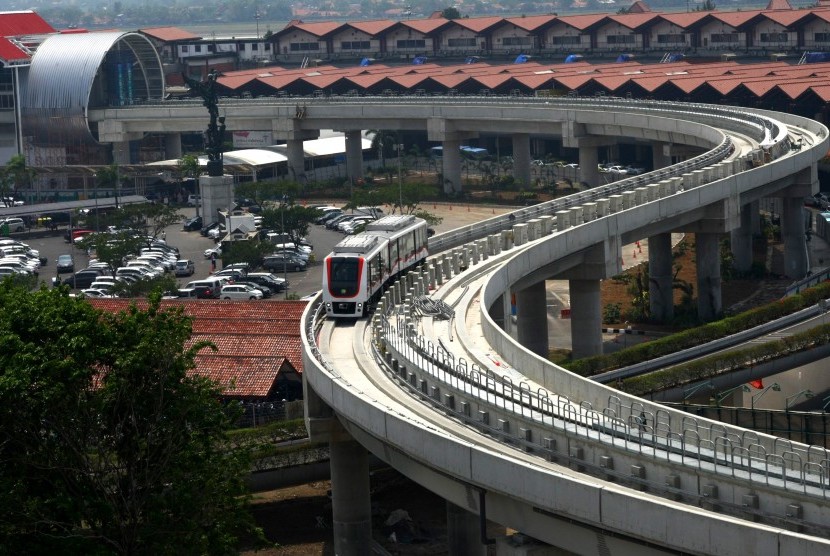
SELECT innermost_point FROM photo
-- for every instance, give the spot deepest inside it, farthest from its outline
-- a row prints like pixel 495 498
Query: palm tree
pixel 383 141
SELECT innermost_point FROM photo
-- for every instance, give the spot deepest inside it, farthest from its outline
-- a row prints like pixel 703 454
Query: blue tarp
pixel 573 58
pixel 816 57
pixel 419 60
pixel 625 58
pixel 365 62
pixel 677 57
pixel 521 59
pixel 472 60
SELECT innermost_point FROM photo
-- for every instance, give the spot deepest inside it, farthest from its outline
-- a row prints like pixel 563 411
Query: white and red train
pixel 356 272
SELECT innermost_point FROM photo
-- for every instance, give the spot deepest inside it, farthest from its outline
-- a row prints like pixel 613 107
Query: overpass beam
pixel 463 532
pixel 173 145
pixel 586 318
pixel 795 240
pixel 532 318
pixel 660 291
pixel 521 159
pixel 707 255
pixel 351 504
pixel 354 154
pixel 741 241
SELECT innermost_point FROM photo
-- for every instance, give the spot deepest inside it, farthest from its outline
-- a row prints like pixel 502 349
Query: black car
pixel 266 291
pixel 283 263
pixel 66 263
pixel 82 279
pixel 263 281
pixel 192 224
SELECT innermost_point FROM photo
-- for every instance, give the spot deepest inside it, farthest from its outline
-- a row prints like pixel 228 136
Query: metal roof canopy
pixel 70 206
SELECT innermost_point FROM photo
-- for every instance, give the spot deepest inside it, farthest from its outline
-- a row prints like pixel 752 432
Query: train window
pixel 344 276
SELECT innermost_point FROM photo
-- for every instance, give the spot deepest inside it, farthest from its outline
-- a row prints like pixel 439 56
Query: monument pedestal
pixel 217 194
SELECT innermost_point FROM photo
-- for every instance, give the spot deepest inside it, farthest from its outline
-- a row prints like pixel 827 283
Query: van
pixel 14 224
pixel 209 287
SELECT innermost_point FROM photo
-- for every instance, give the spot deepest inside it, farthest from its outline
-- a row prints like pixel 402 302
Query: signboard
pixel 252 139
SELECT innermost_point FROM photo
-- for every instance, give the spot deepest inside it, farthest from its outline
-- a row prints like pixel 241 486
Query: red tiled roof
pixel 478 24
pixel 684 20
pixel 425 26
pixel 531 22
pixel 735 19
pixel 17 24
pixel 9 52
pixel 255 340
pixel 779 5
pixel 787 18
pixel 633 21
pixel 374 27
pixel 169 34
pixel 582 21
pixel 318 29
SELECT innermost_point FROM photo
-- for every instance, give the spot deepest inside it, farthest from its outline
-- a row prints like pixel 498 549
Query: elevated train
pixel 356 272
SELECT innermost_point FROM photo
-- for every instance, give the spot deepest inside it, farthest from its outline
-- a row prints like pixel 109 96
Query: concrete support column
pixel 351 505
pixel 521 159
pixel 586 318
pixel 452 166
pixel 121 152
pixel 497 312
pixel 173 145
pixel 660 292
pixel 707 255
pixel 741 241
pixel 659 158
pixel 354 155
pixel 588 170
pixel 532 318
pixel 463 532
pixel 755 217
pixel 296 160
pixel 795 241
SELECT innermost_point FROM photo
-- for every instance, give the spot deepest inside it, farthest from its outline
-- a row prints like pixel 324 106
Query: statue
pixel 215 133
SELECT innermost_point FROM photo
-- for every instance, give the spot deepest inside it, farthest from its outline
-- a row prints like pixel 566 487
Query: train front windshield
pixel 344 276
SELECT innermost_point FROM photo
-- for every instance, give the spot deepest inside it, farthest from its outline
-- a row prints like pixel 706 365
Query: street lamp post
pixel 400 177
pixel 284 253
pixel 790 399
pixel 689 392
pixel 774 386
pixel 722 395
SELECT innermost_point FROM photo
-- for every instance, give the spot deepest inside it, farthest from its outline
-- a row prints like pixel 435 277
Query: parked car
pixel 210 252
pixel 193 200
pixel 208 227
pixel 14 224
pixel 283 263
pixel 184 267
pixel 91 292
pixel 83 279
pixel 267 280
pixel 66 263
pixel 192 224
pixel 182 293
pixel 264 290
pixel 240 291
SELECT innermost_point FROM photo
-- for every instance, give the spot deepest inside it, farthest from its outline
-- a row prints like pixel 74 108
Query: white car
pixel 93 292
pixel 239 291
pixel 213 250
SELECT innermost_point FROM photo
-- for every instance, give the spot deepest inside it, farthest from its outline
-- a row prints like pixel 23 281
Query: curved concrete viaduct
pixel 466 408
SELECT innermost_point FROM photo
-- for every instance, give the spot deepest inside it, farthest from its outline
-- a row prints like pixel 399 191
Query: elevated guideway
pixel 461 407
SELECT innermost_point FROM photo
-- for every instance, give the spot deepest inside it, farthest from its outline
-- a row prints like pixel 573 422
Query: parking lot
pixel 192 246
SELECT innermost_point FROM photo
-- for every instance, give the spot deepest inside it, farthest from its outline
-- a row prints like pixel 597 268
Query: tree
pixel 706 6
pixel 15 176
pixel 451 13
pixel 109 444
pixel 112 248
pixel 188 167
pixel 109 177
pixel 272 190
pixel 290 219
